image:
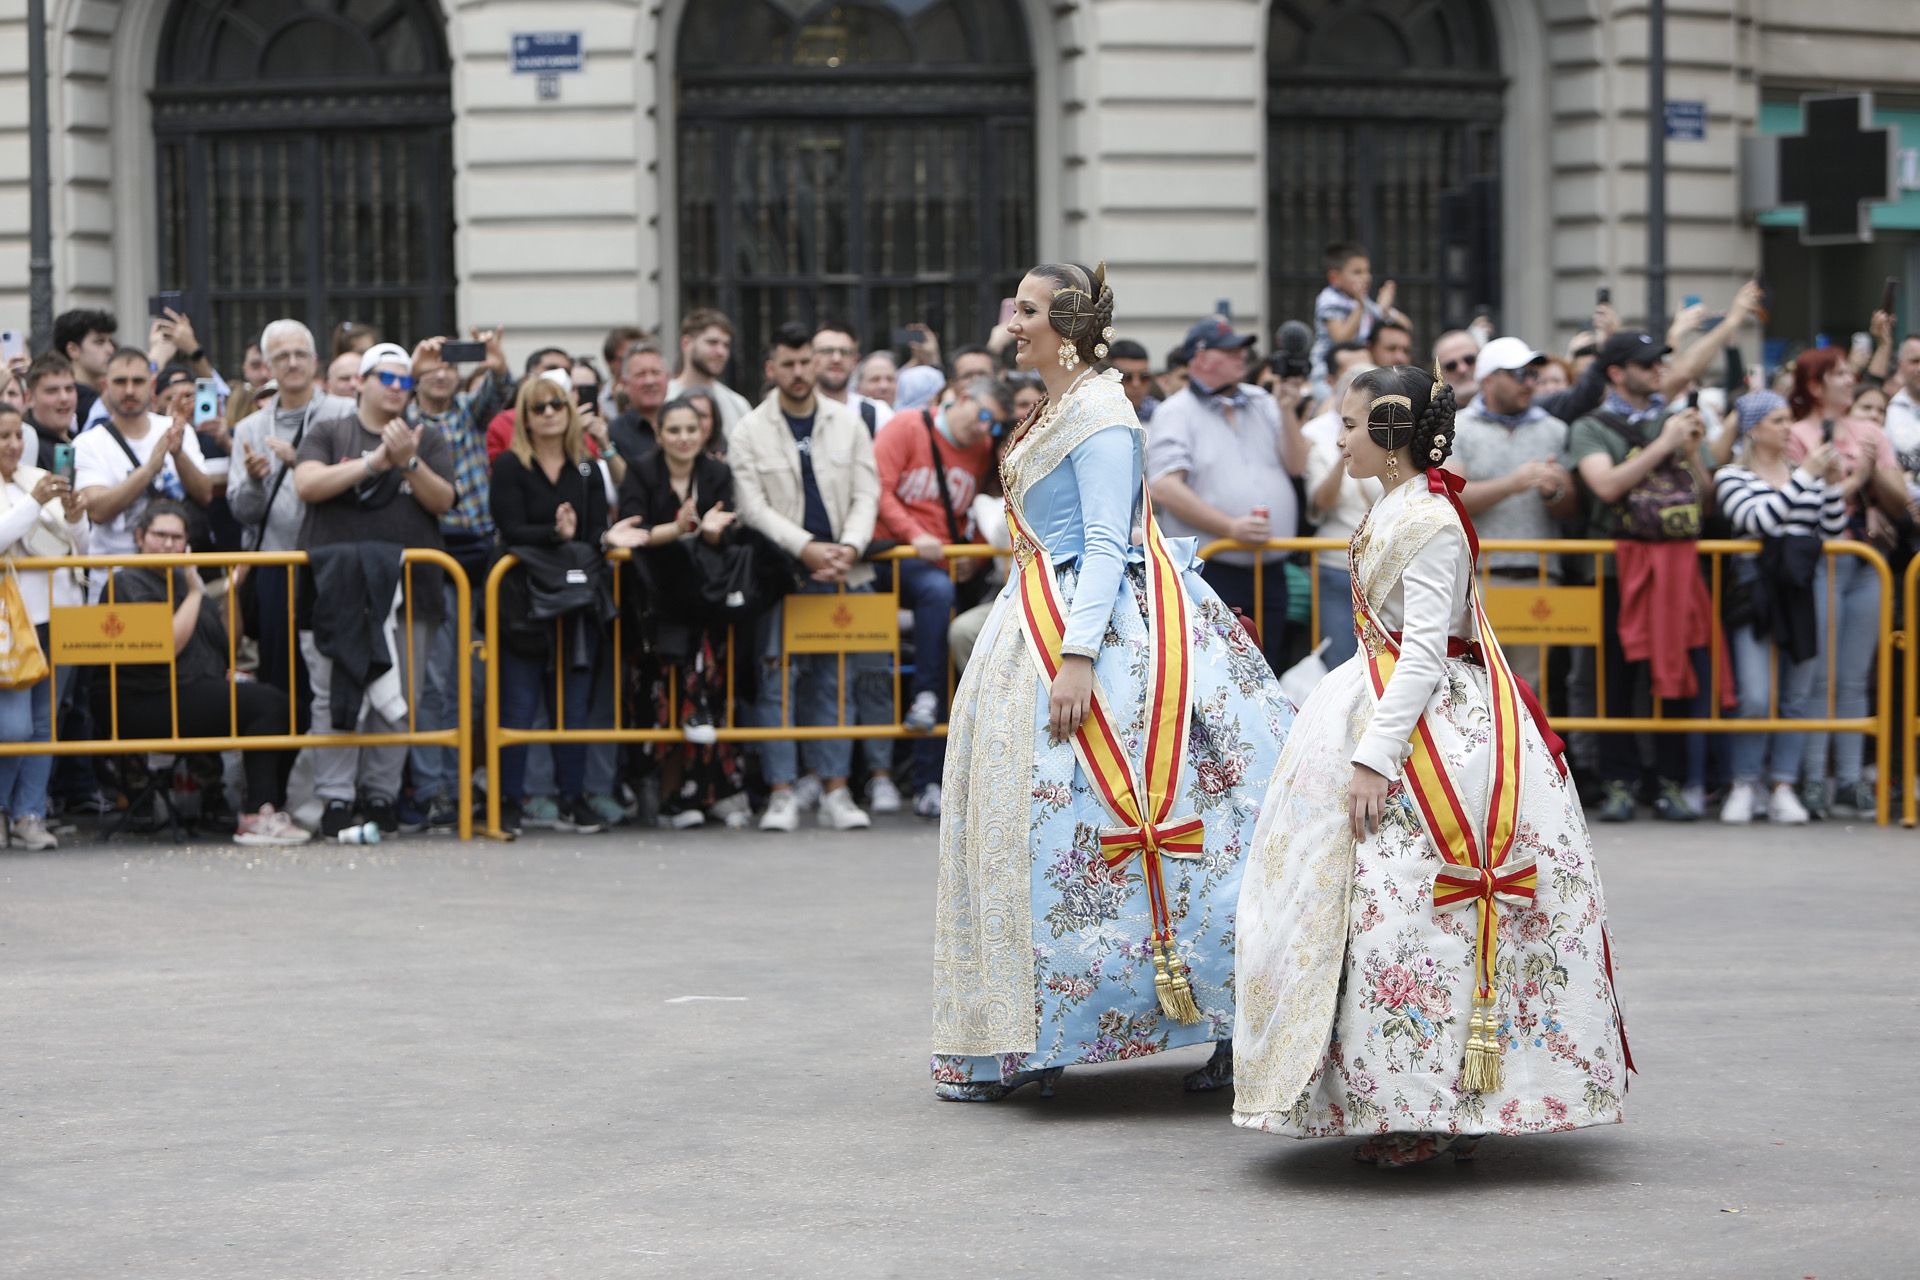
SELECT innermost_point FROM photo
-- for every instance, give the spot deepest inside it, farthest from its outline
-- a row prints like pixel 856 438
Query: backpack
pixel 1665 505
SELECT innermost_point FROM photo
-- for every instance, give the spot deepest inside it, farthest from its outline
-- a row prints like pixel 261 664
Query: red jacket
pixel 910 502
pixel 1665 614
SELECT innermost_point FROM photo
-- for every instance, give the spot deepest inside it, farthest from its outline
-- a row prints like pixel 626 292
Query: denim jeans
pixel 1755 660
pixel 927 590
pixel 26 715
pixel 434 767
pixel 1856 602
pixel 527 688
pixel 813 698
pixel 1336 615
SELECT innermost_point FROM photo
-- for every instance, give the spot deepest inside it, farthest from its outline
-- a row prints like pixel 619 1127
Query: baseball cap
pixel 381 352
pixel 1504 355
pixel 171 376
pixel 1214 334
pixel 1631 346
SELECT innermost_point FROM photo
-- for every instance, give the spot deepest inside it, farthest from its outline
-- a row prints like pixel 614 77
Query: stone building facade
pixel 899 160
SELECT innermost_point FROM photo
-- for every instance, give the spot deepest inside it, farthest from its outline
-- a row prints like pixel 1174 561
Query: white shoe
pixel 837 810
pixel 1738 810
pixel 806 792
pixel 924 713
pixel 687 818
pixel 927 803
pixel 1785 807
pixel 269 827
pixel 31 833
pixel 1696 797
pixel 783 812
pixel 733 811
pixel 882 795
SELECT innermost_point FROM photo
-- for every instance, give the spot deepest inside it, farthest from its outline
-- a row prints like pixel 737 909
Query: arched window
pixel 1384 127
pixel 868 161
pixel 306 166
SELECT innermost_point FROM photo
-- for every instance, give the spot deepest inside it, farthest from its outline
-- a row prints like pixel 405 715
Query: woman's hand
pixel 1072 695
pixel 714 524
pixel 1822 460
pixel 628 533
pixel 687 519
pixel 566 521
pixel 1366 802
pixel 50 486
pixel 74 509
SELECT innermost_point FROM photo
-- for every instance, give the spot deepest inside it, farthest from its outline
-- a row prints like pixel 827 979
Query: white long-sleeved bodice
pixel 1417 576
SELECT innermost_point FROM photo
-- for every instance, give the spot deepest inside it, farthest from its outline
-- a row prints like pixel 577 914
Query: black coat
pixel 353 587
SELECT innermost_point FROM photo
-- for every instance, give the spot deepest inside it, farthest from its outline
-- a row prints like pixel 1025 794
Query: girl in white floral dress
pixel 1422 955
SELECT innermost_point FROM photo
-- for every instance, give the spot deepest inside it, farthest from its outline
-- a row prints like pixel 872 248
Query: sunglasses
pixel 398 381
pixel 1141 376
pixel 548 406
pixel 1454 366
pixel 1528 374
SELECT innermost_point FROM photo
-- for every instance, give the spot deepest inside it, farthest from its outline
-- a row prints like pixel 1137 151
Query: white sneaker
pixel 882 795
pixel 783 812
pixel 686 819
pixel 1785 807
pixel 806 792
pixel 924 713
pixel 733 811
pixel 927 803
pixel 837 810
pixel 30 832
pixel 1696 797
pixel 271 827
pixel 1738 810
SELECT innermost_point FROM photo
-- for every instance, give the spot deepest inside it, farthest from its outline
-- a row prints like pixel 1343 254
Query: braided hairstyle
pixel 1082 311
pixel 1409 409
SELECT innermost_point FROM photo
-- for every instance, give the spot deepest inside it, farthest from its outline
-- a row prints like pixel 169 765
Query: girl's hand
pixel 716 522
pixel 629 533
pixel 1071 697
pixel 1366 802
pixel 47 488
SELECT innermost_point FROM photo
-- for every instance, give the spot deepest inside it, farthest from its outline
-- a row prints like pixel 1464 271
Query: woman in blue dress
pixel 1108 748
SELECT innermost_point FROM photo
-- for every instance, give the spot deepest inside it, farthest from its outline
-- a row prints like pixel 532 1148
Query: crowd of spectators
pixel 731 500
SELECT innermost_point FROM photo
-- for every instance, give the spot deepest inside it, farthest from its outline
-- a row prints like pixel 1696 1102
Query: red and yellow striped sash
pixel 1147 828
pixel 1481 869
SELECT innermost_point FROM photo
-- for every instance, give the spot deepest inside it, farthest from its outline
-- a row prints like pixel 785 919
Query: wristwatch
pixel 192 357
pixel 413 463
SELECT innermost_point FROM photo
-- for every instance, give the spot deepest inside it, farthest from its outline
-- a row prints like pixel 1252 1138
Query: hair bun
pixel 1433 433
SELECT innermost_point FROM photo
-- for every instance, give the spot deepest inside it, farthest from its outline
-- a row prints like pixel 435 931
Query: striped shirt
pixel 1808 505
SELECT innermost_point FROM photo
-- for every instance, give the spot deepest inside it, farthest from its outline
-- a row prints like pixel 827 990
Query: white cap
pixel 1504 355
pixel 380 353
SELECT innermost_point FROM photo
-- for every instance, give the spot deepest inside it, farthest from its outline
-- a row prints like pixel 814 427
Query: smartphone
pixel 1890 295
pixel 1224 308
pixel 206 400
pixel 1007 307
pixel 13 345
pixel 63 461
pixel 1691 300
pixel 463 352
pixel 907 338
pixel 1603 296
pixel 168 300
pixel 1692 401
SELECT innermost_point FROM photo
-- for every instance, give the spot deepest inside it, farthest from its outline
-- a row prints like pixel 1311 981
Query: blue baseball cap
pixel 1215 334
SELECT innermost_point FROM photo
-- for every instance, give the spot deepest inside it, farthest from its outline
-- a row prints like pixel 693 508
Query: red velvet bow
pixel 1448 485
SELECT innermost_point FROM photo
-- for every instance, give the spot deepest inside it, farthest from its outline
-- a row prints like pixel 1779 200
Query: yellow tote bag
pixel 21 662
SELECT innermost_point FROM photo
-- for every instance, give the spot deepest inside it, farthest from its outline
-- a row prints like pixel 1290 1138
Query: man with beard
pixel 836 354
pixel 706 344
pixel 804 476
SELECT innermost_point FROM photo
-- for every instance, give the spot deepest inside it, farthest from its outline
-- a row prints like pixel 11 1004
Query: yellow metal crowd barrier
pixel 113 623
pixel 1567 618
pixel 1535 613
pixel 500 736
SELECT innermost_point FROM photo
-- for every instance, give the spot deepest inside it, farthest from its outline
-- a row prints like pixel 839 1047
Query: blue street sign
pixel 1686 121
pixel 545 52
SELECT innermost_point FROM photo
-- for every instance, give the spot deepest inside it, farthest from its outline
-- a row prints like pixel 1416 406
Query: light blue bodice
pixel 1082 511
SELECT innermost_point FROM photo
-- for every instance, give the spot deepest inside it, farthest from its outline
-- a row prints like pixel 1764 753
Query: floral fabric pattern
pixel 1093 971
pixel 1356 993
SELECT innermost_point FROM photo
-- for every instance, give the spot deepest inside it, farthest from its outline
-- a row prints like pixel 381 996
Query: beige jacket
pixel 767 485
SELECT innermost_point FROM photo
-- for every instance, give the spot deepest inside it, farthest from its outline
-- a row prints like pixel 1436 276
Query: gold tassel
pixel 1171 986
pixel 1482 1071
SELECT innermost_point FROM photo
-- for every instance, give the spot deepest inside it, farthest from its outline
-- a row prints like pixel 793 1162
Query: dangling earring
pixel 1069 354
pixel 1393 470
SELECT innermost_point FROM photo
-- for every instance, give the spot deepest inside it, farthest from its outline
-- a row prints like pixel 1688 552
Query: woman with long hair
pixel 548 492
pixel 680 493
pixel 1876 493
pixel 1791 509
pixel 1422 952
pixel 1103 752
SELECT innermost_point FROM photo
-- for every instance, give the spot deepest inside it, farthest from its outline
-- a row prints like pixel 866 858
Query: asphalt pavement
pixel 705 1054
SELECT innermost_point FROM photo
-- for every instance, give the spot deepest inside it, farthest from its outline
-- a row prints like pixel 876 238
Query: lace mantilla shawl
pixel 984 999
pixel 1385 544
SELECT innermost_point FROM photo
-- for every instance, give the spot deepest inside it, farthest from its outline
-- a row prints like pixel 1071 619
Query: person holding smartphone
pixel 40 515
